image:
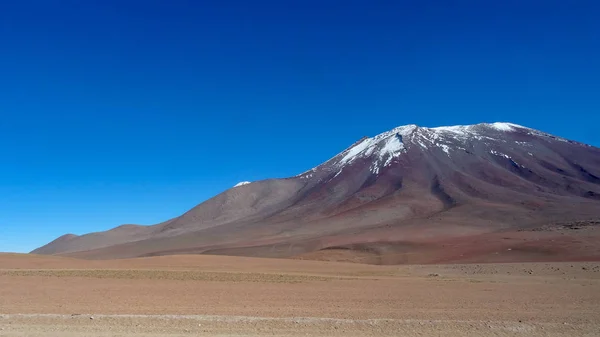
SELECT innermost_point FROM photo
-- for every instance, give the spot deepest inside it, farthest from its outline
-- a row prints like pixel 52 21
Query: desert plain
pixel 201 295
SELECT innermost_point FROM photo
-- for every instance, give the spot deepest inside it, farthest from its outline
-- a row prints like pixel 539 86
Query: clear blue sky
pixel 119 112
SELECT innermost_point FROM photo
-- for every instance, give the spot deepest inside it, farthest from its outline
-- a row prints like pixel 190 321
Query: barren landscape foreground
pixel 201 295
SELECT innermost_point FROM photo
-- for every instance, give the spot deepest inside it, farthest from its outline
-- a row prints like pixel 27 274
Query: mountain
pixel 485 192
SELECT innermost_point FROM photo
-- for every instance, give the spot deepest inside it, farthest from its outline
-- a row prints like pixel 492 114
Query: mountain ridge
pixel 455 181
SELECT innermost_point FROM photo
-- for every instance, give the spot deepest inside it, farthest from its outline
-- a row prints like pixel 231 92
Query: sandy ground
pixel 233 296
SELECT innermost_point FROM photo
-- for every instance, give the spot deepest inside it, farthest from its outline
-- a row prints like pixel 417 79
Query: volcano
pixel 491 192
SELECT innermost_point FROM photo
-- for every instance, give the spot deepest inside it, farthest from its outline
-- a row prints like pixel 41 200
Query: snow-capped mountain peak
pixel 242 183
pixel 386 148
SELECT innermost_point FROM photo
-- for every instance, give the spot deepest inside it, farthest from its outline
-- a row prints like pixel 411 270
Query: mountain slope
pixel 405 195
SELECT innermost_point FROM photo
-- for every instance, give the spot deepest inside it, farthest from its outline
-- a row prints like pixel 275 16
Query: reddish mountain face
pixel 485 192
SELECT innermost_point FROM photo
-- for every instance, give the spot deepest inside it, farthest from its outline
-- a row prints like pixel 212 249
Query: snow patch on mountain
pixel 386 146
pixel 524 144
pixel 494 152
pixel 242 183
pixel 445 148
pixel 505 126
pixel 352 154
pixel 392 148
pixel 462 130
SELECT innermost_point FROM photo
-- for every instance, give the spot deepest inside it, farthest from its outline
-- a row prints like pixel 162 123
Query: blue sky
pixel 119 112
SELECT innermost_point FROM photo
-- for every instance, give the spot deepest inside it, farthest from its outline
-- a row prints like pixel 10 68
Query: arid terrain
pixel 203 295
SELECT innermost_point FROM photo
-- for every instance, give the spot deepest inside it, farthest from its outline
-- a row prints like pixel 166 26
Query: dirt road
pixel 223 296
